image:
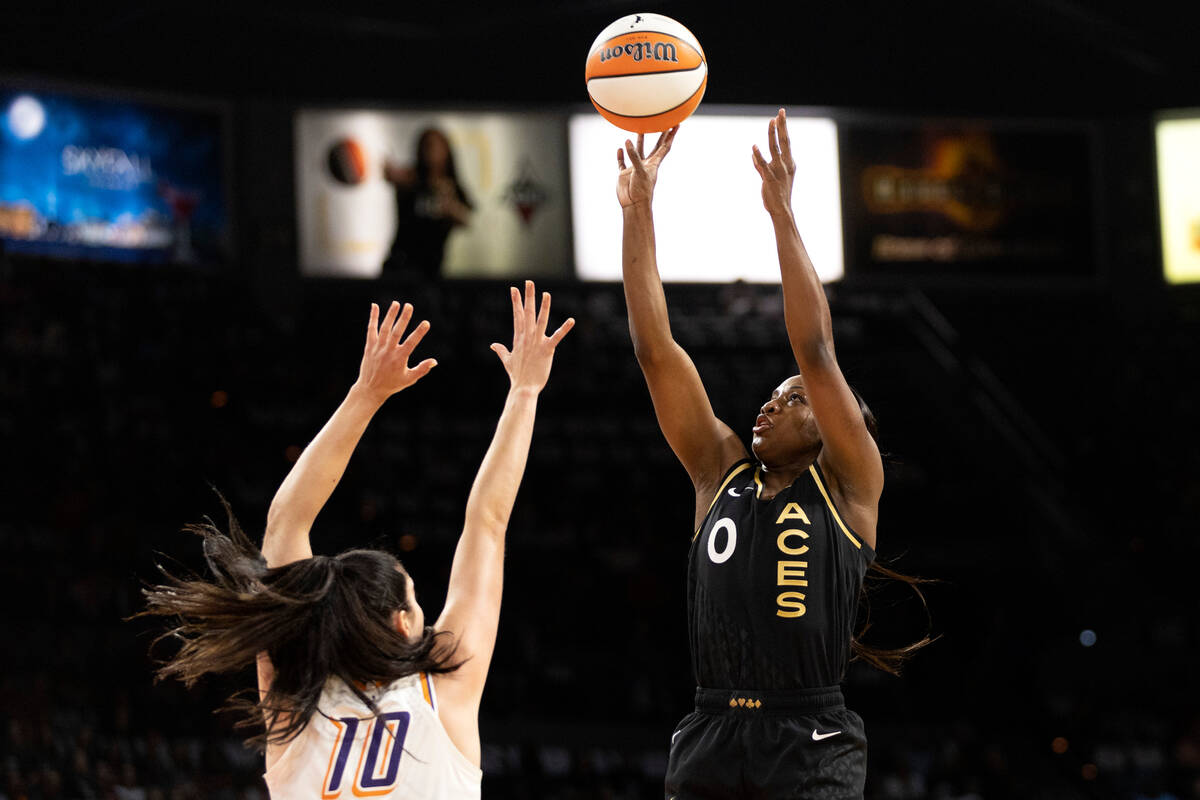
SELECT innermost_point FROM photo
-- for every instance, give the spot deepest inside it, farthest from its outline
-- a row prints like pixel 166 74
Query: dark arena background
pixel 1015 306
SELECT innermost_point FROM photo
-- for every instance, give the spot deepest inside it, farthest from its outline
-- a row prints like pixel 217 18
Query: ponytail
pixel 317 618
pixel 889 660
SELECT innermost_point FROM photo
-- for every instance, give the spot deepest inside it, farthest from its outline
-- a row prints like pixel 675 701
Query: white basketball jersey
pixel 347 752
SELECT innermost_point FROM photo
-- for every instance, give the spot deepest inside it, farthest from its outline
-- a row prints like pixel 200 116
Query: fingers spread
pixel 785 141
pixel 500 350
pixel 373 324
pixel 517 317
pixel 402 323
pixel 543 313
pixel 773 138
pixel 389 319
pixel 529 307
pixel 634 157
pixel 664 142
pixel 416 336
pixel 642 145
pixel 621 159
pixel 562 331
pixel 760 163
pixel 422 369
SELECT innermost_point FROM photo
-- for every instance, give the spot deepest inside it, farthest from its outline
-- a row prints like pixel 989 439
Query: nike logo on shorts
pixel 819 736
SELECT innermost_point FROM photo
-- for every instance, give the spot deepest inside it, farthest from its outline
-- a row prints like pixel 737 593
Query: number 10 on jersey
pixel 376 772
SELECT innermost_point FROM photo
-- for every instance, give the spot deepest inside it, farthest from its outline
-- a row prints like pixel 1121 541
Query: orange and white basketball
pixel 646 73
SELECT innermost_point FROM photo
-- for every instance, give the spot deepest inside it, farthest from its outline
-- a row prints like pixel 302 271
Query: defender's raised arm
pixel 304 492
pixel 472 610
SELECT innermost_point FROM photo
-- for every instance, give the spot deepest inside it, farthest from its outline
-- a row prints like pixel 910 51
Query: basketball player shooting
pixel 784 532
pixel 355 692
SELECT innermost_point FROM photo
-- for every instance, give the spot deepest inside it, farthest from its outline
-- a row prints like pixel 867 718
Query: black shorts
pixel 803 745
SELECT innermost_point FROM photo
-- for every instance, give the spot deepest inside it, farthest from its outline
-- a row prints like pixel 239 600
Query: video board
pixel 965 199
pixel 431 194
pixel 708 211
pixel 1178 143
pixel 96 177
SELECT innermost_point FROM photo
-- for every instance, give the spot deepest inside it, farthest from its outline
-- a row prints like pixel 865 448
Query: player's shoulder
pixel 731 463
pixel 855 519
pixel 710 488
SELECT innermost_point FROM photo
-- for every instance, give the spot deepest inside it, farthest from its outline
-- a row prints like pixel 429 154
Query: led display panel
pixel 431 194
pixel 1178 143
pixel 94 177
pixel 708 211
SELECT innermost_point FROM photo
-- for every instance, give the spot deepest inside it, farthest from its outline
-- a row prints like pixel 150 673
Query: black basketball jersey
pixel 773 585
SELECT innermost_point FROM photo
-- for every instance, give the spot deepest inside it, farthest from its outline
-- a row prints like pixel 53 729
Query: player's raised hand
pixel 778 174
pixel 528 363
pixel 635 182
pixel 384 370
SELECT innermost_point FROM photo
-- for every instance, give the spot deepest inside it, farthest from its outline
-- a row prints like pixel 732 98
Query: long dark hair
pixel 316 618
pixel 451 169
pixel 887 659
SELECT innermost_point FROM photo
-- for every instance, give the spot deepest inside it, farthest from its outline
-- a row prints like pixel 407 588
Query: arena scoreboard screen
pixel 1178 140
pixel 97 177
pixel 510 166
pixel 708 208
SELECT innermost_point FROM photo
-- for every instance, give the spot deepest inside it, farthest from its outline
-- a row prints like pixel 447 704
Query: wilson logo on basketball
pixel 652 51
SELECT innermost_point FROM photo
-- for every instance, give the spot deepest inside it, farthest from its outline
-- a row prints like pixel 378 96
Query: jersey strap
pixel 427 690
pixel 832 509
pixel 740 466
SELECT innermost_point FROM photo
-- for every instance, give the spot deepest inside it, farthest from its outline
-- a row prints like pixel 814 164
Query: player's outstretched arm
pixel 849 452
pixel 472 609
pixel 383 372
pixel 704 445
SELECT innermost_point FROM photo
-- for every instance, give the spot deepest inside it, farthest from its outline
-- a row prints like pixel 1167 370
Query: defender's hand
pixel 778 175
pixel 384 370
pixel 635 183
pixel 528 363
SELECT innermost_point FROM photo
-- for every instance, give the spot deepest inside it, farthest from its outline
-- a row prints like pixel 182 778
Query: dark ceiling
pixel 1058 57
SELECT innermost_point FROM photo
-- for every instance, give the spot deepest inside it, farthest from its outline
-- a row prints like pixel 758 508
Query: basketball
pixel 646 73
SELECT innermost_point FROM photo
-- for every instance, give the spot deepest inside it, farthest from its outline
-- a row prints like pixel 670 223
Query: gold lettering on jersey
pixel 791 573
pixel 791 604
pixel 781 542
pixel 788 572
pixel 793 511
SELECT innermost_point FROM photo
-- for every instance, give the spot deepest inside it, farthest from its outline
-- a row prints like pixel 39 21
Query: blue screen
pixel 110 179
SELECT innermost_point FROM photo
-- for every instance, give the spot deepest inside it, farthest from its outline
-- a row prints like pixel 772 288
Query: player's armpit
pixel 471 617
pixel 459 715
pixel 849 454
pixel 282 546
pixel 266 677
pixel 472 612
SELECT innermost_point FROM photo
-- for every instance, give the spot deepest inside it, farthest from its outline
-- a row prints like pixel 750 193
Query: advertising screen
pixel 451 194
pixel 1179 197
pixel 92 177
pixel 708 210
pixel 967 199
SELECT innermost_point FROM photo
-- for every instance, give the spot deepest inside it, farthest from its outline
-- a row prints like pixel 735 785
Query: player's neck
pixel 777 477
